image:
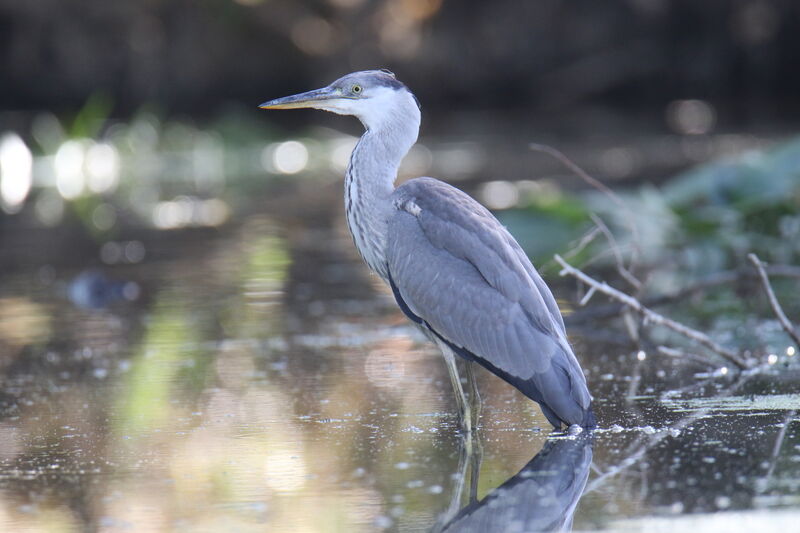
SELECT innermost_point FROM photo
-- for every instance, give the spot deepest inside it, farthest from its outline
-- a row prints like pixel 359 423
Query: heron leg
pixel 474 393
pixel 464 414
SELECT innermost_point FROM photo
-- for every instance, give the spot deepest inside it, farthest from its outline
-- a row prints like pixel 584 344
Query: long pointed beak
pixel 307 99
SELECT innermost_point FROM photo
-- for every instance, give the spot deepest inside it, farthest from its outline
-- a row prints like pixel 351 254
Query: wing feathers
pixel 458 269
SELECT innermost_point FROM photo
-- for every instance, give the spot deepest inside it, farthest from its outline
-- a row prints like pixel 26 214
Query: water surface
pixel 258 378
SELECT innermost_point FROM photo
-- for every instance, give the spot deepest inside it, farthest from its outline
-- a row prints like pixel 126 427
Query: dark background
pixel 195 57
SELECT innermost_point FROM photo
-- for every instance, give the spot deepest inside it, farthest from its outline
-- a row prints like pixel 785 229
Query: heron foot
pixel 574 429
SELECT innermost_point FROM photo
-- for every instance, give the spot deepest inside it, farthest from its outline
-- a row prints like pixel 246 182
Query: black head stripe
pixel 388 80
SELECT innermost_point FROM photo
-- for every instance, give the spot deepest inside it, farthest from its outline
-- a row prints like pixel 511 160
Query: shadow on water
pixel 256 378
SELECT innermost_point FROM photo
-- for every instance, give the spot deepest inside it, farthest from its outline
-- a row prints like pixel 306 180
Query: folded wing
pixel 459 271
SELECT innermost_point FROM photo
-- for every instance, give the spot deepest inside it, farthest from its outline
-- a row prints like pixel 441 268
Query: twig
pixel 776 448
pixel 583 243
pixel 773 301
pixel 709 282
pixel 651 315
pixel 789 271
pixel 587 296
pixel 631 325
pixel 698 386
pixel 567 162
pixel 681 354
pixel 624 272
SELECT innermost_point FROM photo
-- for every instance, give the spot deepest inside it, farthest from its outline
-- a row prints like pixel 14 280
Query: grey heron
pixel 454 270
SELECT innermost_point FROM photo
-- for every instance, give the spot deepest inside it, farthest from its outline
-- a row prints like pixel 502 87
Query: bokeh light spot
pixel 102 168
pixel 500 194
pixel 314 36
pixel 104 216
pixel 16 165
pixel 290 157
pixel 68 164
pixel 691 117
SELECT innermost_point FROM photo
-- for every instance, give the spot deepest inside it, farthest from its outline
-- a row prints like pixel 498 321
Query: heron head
pixel 374 96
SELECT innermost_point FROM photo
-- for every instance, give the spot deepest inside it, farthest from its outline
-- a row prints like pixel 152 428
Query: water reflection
pixel 540 497
pixel 261 374
pixel 93 289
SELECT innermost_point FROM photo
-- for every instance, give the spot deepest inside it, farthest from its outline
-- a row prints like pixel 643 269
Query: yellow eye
pixel 356 89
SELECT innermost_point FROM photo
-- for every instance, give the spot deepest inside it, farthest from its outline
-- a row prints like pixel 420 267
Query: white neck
pixel 370 176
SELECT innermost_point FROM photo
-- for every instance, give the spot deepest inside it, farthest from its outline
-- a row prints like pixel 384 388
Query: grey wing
pixel 460 271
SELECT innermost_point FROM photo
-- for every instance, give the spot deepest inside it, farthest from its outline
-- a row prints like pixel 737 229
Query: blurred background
pixel 99 98
pixel 188 338
pixel 142 114
pixel 194 59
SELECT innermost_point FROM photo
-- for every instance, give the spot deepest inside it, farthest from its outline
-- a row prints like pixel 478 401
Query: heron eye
pixel 356 89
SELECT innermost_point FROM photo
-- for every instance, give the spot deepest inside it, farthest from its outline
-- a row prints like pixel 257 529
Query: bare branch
pixel 583 242
pixel 651 315
pixel 789 271
pixel 684 355
pixel 773 301
pixel 578 171
pixel 567 162
pixel 709 282
pixel 587 296
pixel 624 272
pixel 776 448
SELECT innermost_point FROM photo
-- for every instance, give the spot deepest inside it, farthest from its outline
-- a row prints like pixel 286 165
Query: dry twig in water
pixel 773 301
pixel 652 316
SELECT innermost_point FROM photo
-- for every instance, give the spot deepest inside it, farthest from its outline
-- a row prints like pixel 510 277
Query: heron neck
pixel 369 183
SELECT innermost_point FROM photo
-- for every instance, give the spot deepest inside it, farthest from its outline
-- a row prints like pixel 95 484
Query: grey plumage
pixel 459 269
pixel 542 496
pixel 453 268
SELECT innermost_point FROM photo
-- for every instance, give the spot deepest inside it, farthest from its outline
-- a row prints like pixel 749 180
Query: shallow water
pixel 257 378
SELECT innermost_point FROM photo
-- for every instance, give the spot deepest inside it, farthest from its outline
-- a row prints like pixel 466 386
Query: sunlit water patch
pixel 778 402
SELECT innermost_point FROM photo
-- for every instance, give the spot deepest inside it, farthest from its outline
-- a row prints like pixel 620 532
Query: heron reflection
pixel 542 496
